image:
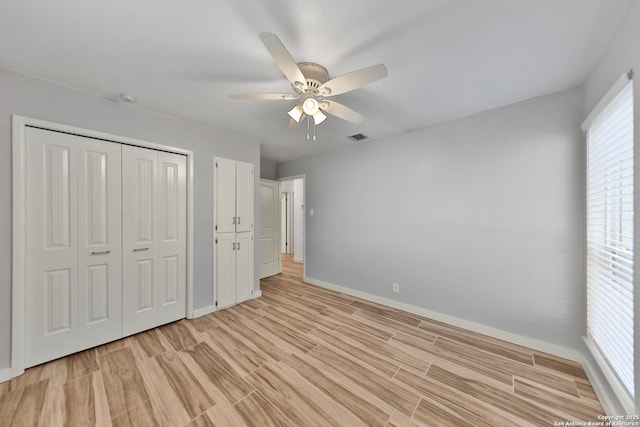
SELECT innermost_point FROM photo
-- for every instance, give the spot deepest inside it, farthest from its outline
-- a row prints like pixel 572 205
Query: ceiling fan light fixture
pixel 310 106
pixel 296 113
pixel 319 118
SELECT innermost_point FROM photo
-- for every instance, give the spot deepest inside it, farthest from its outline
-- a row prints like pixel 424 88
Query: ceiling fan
pixel 312 87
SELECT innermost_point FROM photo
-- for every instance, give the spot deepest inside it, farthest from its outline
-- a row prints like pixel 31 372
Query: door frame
pixel 304 225
pixel 19 223
pixel 285 199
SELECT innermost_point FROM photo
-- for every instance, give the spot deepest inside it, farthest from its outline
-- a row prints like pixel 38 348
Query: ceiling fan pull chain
pixel 308 126
pixel 314 131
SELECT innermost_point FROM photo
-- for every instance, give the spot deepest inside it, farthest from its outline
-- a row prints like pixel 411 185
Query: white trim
pixel 5 374
pixel 606 99
pixel 298 260
pixel 199 312
pixel 500 334
pixel 19 124
pixel 604 398
pixel 18 251
pixel 619 392
pixel 190 236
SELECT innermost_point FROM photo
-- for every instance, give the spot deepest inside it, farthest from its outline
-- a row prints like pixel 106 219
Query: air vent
pixel 358 137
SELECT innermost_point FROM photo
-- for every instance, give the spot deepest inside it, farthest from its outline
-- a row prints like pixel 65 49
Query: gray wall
pixel 37 99
pixel 268 169
pixel 480 218
pixel 621 54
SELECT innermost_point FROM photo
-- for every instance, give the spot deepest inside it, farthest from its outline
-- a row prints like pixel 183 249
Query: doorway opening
pixel 293 223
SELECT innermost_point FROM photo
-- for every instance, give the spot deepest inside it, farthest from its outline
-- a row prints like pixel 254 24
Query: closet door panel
pixel 225 196
pixel 172 249
pixel 140 240
pixel 225 270
pixel 244 197
pixel 100 243
pixel 244 266
pixel 52 263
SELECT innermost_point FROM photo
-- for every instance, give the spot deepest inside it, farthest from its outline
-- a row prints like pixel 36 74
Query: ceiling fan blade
pixel 340 111
pixel 285 61
pixel 353 80
pixel 267 96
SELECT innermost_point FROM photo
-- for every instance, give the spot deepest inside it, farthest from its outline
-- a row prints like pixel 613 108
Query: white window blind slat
pixel 610 243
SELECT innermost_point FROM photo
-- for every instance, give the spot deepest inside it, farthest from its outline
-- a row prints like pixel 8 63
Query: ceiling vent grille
pixel 358 137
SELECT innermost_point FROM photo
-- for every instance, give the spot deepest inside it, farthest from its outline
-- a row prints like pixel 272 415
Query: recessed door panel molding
pixel 56 178
pixel 170 204
pixel 96 197
pixel 169 280
pixel 144 286
pixel 144 200
pixel 97 301
pixel 57 304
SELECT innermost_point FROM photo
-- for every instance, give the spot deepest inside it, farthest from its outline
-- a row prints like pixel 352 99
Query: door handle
pixel 233 247
pixel 140 249
pixel 238 245
pixel 234 220
pixel 238 220
pixel 100 253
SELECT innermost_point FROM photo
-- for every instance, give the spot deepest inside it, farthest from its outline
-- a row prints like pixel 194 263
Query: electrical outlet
pixel 395 288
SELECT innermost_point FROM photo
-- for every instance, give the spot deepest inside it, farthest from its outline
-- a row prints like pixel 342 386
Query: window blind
pixel 610 245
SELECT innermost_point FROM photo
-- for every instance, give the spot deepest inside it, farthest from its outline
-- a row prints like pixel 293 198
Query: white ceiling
pixel 446 58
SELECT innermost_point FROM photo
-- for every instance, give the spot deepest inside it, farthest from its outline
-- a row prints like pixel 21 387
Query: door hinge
pixel 216 166
pixel 216 227
pixel 216 303
pixel 216 240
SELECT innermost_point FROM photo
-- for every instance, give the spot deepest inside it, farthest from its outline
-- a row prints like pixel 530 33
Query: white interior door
pixel 51 290
pixel 172 236
pixel 269 228
pixel 140 241
pixel 244 197
pixel 99 243
pixel 225 268
pixel 225 196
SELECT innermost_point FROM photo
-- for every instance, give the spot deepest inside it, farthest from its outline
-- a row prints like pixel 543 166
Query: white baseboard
pixel 5 374
pixel 204 311
pixel 607 397
pixel 533 343
pixel 298 260
pixel 211 308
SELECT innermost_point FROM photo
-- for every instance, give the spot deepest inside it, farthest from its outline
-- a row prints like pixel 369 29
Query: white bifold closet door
pixel 73 283
pixel 105 242
pixel 154 238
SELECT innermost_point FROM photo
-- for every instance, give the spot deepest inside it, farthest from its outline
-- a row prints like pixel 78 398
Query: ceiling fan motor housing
pixel 315 74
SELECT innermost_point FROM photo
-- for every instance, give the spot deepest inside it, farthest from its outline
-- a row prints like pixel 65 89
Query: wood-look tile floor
pixel 302 356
